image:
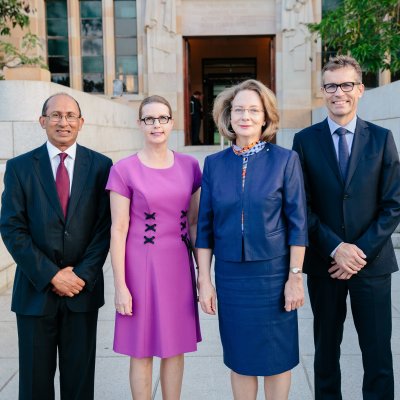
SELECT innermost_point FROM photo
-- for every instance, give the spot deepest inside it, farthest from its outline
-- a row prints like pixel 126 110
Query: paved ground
pixel 205 375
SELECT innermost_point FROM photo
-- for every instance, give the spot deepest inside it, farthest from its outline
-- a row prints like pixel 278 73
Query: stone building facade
pixel 174 47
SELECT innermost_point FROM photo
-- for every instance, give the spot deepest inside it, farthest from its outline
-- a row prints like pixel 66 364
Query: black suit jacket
pixel 364 210
pixel 42 241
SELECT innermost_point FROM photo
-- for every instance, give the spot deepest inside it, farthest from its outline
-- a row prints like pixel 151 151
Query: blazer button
pixel 66 233
pixel 342 227
pixel 345 197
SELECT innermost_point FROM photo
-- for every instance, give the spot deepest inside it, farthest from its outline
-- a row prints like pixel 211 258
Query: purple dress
pixel 158 270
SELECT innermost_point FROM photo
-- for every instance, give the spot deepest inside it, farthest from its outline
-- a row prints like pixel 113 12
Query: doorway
pixel 214 63
pixel 219 74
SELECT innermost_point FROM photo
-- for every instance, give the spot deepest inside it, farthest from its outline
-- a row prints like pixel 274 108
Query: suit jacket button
pixel 346 196
pixel 66 233
pixel 343 227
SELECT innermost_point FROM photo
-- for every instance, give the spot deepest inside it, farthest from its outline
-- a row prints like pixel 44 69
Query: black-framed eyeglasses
pixel 57 117
pixel 345 86
pixel 162 119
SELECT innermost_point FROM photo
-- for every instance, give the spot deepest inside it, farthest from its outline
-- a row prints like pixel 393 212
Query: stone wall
pixel 109 127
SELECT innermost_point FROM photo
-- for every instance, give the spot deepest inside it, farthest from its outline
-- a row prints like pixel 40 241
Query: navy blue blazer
pixel 364 209
pixel 273 201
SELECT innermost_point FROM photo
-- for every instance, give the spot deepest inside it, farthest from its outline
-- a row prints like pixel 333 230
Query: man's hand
pixel 349 259
pixel 338 272
pixel 66 283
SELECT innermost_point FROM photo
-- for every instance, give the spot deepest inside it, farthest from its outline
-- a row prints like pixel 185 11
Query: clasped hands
pixel 348 260
pixel 66 283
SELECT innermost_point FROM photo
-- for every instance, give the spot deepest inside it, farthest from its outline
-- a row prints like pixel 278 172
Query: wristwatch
pixel 296 270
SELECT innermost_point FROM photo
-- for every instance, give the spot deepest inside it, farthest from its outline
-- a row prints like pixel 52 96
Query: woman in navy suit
pixel 252 217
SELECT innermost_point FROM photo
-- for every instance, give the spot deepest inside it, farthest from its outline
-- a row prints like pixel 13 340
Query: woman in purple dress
pixel 154 204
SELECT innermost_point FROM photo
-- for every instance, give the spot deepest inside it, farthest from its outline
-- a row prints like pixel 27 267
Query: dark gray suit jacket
pixel 42 241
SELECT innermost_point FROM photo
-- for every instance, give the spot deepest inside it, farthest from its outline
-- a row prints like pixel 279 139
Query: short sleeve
pixel 117 184
pixel 196 176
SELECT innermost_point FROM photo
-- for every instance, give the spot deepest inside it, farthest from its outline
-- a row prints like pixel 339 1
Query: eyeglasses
pixel 254 112
pixel 345 86
pixel 162 119
pixel 57 117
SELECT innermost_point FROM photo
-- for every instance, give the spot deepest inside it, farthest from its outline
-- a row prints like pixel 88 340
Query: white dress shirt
pixel 351 128
pixel 69 160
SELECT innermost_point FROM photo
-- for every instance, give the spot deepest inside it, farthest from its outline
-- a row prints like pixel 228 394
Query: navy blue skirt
pixel 259 337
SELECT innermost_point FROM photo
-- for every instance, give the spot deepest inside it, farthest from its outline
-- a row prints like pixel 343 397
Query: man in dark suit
pixel 196 115
pixel 352 179
pixel 55 222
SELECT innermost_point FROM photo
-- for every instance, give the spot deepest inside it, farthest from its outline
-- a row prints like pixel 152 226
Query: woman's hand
pixel 294 292
pixel 123 301
pixel 207 297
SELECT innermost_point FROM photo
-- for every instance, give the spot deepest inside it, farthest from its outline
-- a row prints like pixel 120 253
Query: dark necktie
pixel 62 183
pixel 343 151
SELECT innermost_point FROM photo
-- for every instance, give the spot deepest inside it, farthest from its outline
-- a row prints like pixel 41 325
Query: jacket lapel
pixel 328 149
pixel 81 171
pixel 359 142
pixel 44 172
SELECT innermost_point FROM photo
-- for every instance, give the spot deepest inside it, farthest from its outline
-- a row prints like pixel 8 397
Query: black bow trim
pixel 186 240
pixel 150 227
pixel 149 240
pixel 183 225
pixel 184 213
pixel 150 215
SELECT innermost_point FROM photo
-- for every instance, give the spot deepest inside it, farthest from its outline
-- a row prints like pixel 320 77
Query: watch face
pixel 296 270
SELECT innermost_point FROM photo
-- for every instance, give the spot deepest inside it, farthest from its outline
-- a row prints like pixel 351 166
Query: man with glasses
pixel 55 222
pixel 352 179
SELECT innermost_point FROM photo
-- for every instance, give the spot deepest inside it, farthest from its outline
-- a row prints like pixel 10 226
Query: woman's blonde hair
pixel 154 99
pixel 223 105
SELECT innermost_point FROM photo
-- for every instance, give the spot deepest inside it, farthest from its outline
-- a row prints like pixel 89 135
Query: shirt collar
pixel 351 126
pixel 54 151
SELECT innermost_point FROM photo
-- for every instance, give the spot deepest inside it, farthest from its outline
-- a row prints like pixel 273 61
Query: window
pixel 92 46
pixel 57 41
pixel 126 63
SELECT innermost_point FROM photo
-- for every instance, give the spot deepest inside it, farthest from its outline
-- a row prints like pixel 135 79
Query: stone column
pixel 37 26
pixel 163 48
pixel 109 46
pixel 75 60
pixel 294 66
